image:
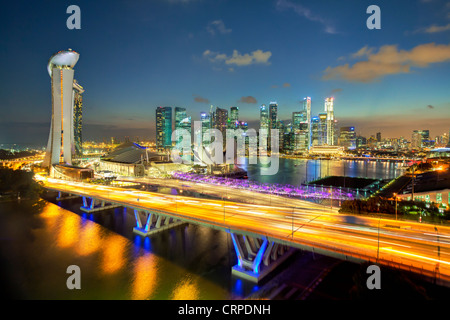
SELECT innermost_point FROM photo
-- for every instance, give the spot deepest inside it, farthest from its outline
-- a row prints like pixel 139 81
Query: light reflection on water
pixel 298 171
pixel 113 266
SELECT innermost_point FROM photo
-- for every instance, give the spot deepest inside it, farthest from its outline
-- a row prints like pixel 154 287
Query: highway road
pixel 413 246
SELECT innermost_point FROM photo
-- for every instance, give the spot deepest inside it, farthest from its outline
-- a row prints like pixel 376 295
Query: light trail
pixel 317 228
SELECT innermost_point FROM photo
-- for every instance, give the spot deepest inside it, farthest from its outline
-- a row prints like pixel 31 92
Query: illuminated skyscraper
pixel 322 129
pixel 420 139
pixel 314 131
pixel 60 146
pixel 273 115
pixel 234 117
pixel 163 128
pixel 347 137
pixel 180 114
pixel 307 108
pixel 182 122
pixel 78 118
pixel 263 117
pixel 329 109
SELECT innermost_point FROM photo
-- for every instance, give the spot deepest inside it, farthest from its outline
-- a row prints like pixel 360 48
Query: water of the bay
pixel 39 241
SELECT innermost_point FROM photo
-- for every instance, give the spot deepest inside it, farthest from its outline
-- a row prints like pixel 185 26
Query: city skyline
pixel 192 54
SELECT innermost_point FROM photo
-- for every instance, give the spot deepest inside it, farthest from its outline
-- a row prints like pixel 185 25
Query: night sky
pixel 137 55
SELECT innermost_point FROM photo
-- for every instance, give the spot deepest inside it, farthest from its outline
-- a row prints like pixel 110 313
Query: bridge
pixel 265 235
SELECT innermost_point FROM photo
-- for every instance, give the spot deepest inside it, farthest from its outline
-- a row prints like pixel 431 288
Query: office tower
pixel 420 139
pixel 205 120
pixel 180 114
pixel 60 140
pixel 378 136
pixel 163 128
pixel 347 138
pixel 234 117
pixel 77 118
pixel 329 109
pixel 322 129
pixel 361 141
pixel 221 120
pixel 297 118
pixel 182 122
pixel 307 108
pixel 263 117
pixel 273 115
pixel 314 131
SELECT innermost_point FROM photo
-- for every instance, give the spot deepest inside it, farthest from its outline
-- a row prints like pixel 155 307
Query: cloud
pixel 217 26
pixel 286 85
pixel 387 61
pixel 306 13
pixel 336 90
pixel 248 99
pixel 201 99
pixel 237 59
pixel 364 51
pixel 274 86
pixel 430 106
pixel 434 29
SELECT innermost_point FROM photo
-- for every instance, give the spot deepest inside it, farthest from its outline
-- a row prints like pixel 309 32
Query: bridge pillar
pixel 65 196
pixel 252 265
pixel 154 222
pixel 96 205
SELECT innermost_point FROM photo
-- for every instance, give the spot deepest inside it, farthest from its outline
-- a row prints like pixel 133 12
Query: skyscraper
pixel 180 114
pixel 273 114
pixel 329 109
pixel 234 117
pixel 77 118
pixel 322 129
pixel 314 131
pixel 307 108
pixel 61 139
pixel 263 117
pixel 163 128
pixel 182 122
pixel 420 139
pixel 347 137
pixel 221 122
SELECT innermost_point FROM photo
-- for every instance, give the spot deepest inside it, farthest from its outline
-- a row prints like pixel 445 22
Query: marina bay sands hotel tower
pixel 61 145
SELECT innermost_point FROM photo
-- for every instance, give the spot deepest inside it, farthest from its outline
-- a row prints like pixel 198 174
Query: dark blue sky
pixel 137 55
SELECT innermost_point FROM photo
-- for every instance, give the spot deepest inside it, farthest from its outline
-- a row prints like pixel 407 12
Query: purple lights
pixel 302 191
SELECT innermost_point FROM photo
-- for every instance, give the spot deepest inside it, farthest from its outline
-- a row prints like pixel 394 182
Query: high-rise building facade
pixel 307 109
pixel 61 139
pixel 163 128
pixel 78 118
pixel 273 115
pixel 263 117
pixel 234 118
pixel 347 138
pixel 322 129
pixel 314 131
pixel 329 109
pixel 180 114
pixel 420 139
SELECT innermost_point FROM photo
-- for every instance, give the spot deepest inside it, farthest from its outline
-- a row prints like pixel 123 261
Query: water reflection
pixel 114 254
pixel 89 239
pixel 187 289
pixel 298 171
pixel 69 230
pixel 145 274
